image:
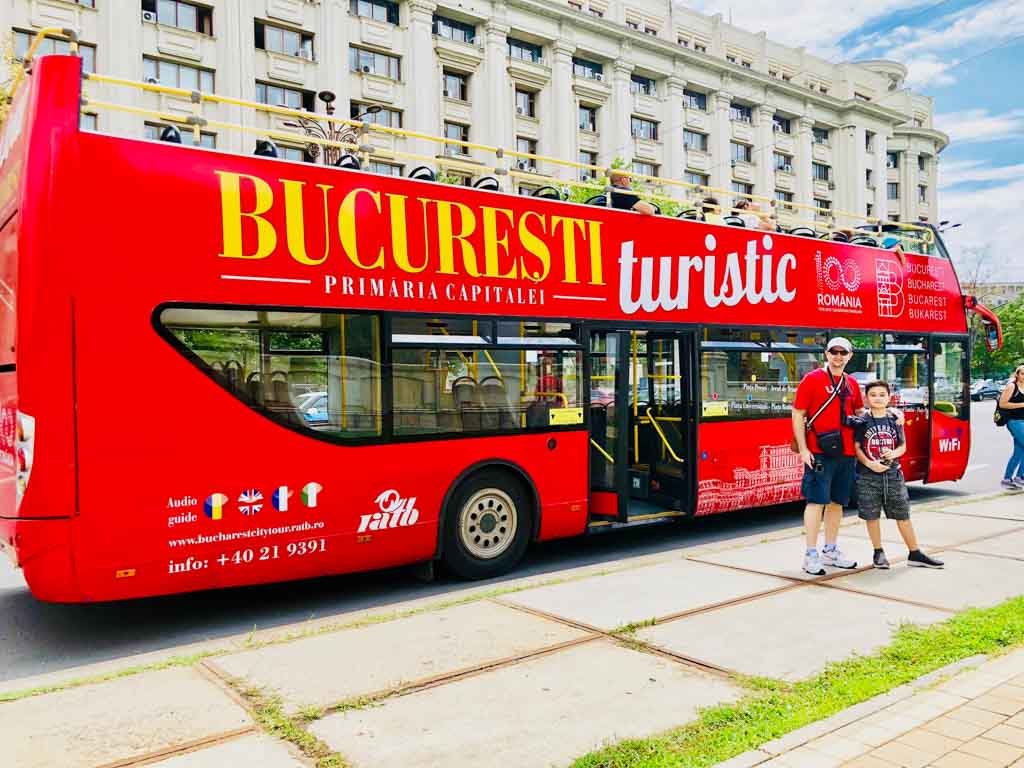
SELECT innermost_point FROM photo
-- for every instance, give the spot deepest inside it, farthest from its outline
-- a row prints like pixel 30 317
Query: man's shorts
pixel 833 484
pixel 877 491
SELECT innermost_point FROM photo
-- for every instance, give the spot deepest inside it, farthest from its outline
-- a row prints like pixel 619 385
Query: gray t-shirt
pixel 874 434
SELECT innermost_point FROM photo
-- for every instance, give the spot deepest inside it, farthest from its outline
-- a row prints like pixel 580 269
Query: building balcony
pixel 743 131
pixel 458 110
pixel 822 153
pixel 824 188
pixel 180 43
pixel 533 74
pixel 589 141
pixel 51 13
pixel 466 56
pixel 647 149
pixel 785 180
pixel 698 159
pixel 785 142
pixel 371 31
pixel 371 87
pixel 292 11
pixel 646 105
pixel 293 70
pixel 743 171
pixel 527 126
pixel 698 120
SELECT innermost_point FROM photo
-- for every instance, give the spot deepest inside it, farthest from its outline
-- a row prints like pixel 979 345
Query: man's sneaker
pixel 1009 485
pixel 834 559
pixel 880 561
pixel 921 560
pixel 812 565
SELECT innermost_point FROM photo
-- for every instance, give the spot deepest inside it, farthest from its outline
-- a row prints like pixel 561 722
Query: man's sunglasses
pixel 842 352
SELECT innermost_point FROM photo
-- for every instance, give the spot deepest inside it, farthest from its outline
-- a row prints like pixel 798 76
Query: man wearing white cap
pixel 824 400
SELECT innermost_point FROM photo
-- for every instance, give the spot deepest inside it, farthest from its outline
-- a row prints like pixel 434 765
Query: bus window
pixel 446 390
pixel 751 384
pixel 906 371
pixel 309 370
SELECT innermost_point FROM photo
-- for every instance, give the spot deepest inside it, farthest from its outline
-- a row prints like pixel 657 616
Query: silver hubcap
pixel 487 523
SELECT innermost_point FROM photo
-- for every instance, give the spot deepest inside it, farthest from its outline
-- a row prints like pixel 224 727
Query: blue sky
pixel 969 56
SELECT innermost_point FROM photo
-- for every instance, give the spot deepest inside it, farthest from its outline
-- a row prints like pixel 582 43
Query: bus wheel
pixel 488 525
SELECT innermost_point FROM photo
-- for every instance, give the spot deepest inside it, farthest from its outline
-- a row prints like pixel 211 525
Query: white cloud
pixel 976 171
pixel 992 230
pixel 976 125
pixel 929 70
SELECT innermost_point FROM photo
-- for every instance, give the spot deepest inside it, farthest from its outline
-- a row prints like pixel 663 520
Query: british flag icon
pixel 250 502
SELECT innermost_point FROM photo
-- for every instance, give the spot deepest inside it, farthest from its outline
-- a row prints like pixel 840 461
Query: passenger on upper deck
pixel 712 211
pixel 626 200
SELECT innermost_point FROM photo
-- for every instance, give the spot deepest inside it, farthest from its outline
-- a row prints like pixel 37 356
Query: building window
pixel 700 48
pixel 695 100
pixel 730 58
pixel 819 135
pixel 588 118
pixel 922 193
pixel 174 13
pixel 587 158
pixel 456 85
pixel 588 69
pixel 22 41
pixel 645 169
pixel 691 177
pixel 650 31
pixel 385 169
pixel 892 191
pixel 456 132
pixel 892 160
pixel 278 96
pixel 746 64
pixel 869 210
pixel 527 147
pixel 208 140
pixel 741 153
pixel 740 113
pixel 643 129
pixel 786 198
pixel 922 163
pixel 526 103
pixel 575 6
pixel 743 189
pixel 694 140
pixel 294 154
pixel 379 10
pixel 869 141
pixel 782 124
pixel 454 30
pixel 633 24
pixel 644 85
pixel 783 162
pixel 177 75
pixel 821 172
pixel 88 122
pixel 385 117
pixel 373 63
pixel 861 96
pixel 683 42
pixel 595 12
pixel 518 49
pixel 869 178
pixel 824 206
pixel 290 42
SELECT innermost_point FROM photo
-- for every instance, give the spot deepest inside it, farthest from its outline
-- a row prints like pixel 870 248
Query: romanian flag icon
pixel 309 493
pixel 214 505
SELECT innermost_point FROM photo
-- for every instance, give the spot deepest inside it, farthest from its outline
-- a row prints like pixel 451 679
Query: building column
pixel 718 141
pixel 764 152
pixel 561 128
pixel 498 124
pixel 673 136
pixel 848 173
pixel 908 186
pixel 420 76
pixel 881 176
pixel 622 111
pixel 802 166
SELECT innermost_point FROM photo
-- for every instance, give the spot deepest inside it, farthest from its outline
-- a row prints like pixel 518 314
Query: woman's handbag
pixel 829 443
pixel 999 418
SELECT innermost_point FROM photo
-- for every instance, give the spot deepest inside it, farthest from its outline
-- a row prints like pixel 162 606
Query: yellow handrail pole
pixel 654 423
pixel 41 35
pixel 602 451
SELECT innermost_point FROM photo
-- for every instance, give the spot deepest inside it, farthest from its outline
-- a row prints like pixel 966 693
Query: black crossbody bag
pixel 831 443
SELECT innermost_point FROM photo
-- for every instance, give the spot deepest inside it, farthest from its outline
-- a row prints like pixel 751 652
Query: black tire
pixel 488 524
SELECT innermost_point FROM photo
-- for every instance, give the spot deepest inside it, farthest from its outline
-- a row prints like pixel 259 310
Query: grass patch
pixel 773 708
pixel 269 713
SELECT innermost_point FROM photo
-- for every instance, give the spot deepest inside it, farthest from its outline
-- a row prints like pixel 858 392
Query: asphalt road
pixel 37 637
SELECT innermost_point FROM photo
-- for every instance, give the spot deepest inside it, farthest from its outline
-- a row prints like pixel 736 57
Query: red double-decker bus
pixel 221 370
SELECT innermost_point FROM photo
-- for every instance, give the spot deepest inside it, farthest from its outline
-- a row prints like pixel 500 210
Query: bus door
pixel 949 428
pixel 662 420
pixel 607 380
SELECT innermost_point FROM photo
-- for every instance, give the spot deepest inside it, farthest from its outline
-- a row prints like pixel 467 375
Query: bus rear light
pixel 125 573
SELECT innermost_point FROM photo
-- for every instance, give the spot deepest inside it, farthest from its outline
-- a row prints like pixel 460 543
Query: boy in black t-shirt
pixel 880 442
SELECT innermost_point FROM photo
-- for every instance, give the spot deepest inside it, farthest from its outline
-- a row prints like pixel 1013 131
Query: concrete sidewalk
pixel 541 672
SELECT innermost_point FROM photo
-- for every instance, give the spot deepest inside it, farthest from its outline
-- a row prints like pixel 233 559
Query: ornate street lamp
pixel 331 132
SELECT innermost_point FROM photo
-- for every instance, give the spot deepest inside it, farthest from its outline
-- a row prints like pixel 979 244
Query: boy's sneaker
pixel 921 560
pixel 1018 481
pixel 880 561
pixel 1009 484
pixel 812 565
pixel 833 558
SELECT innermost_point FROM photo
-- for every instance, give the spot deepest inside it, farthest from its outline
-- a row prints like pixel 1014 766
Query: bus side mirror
pixel 991 337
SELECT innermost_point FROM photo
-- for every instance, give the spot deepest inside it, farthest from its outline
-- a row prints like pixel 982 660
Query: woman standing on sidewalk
pixel 1011 402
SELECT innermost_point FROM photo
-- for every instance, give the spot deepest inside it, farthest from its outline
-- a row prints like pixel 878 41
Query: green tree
pixel 998 364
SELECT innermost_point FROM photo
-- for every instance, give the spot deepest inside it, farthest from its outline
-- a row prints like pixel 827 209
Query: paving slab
pixel 256 750
pixel 1009 545
pixel 968 580
pixel 115 720
pixel 785 557
pixel 791 635
pixel 616 599
pixel 538 713
pixel 327 669
pixel 941 529
pixel 1009 506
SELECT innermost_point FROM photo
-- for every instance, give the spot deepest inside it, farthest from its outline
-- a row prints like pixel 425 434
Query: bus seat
pixel 487 183
pixel 944 406
pixel 734 221
pixel 803 232
pixel 265 148
pixel 548 193
pixel 464 393
pixel 597 200
pixel 254 388
pixel 349 161
pixel 171 134
pixel 279 387
pixel 691 214
pixel 422 173
pixel 864 240
pixel 497 410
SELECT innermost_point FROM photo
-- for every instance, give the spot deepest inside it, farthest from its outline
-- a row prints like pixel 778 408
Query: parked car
pixel 985 390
